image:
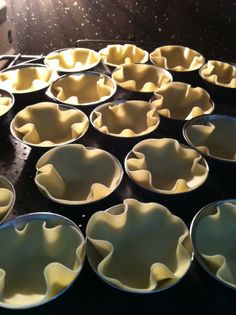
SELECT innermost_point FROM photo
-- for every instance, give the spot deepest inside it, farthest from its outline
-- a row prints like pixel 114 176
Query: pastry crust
pixel 120 120
pixel 27 79
pixel 73 174
pixel 178 100
pixel 7 198
pixel 140 77
pixel 213 237
pixel 177 58
pixel 219 73
pixel 212 137
pixel 116 55
pixel 6 102
pixel 72 59
pixel 48 124
pixel 83 89
pixel 37 262
pixel 166 166
pixel 138 247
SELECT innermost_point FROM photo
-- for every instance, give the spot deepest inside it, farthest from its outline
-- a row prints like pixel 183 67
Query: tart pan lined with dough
pixel 116 55
pixel 27 79
pixel 39 259
pixel 213 135
pixel 72 59
pixel 73 174
pixel 141 77
pixel 166 166
pixel 86 88
pixel 120 120
pixel 178 100
pixel 6 102
pixel 7 198
pixel 177 58
pixel 138 247
pixel 48 124
pixel 219 73
pixel 213 233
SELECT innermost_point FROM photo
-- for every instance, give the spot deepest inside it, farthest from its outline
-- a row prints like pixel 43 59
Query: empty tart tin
pixel 7 100
pixel 82 89
pixel 41 256
pixel 213 232
pixel 75 175
pixel 116 55
pixel 183 62
pixel 48 124
pixel 220 78
pixel 27 82
pixel 166 166
pixel 72 59
pixel 138 247
pixel 214 136
pixel 142 79
pixel 7 198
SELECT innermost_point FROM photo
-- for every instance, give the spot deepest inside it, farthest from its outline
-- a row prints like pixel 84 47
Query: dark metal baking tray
pixel 196 293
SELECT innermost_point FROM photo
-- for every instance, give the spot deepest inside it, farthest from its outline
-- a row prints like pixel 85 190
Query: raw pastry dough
pixel 141 78
pixel 27 79
pixel 219 73
pixel 48 124
pixel 7 198
pixel 139 247
pixel 73 174
pixel 116 55
pixel 214 237
pixel 216 137
pixel 83 89
pixel 72 60
pixel 127 119
pixel 6 102
pixel 177 58
pixel 37 262
pixel 179 100
pixel 166 166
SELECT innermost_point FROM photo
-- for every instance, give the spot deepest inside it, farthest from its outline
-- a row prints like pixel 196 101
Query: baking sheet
pixel 89 294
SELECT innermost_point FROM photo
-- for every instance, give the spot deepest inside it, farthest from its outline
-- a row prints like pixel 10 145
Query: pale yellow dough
pixel 47 124
pixel 74 174
pixel 83 89
pixel 7 198
pixel 141 78
pixel 27 79
pixel 37 262
pixel 139 247
pixel 177 58
pixel 216 138
pixel 116 55
pixel 127 119
pixel 166 166
pixel 6 103
pixel 72 60
pixel 179 100
pixel 215 241
pixel 219 73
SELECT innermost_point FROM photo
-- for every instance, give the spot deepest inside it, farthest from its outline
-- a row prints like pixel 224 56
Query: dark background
pixel 206 25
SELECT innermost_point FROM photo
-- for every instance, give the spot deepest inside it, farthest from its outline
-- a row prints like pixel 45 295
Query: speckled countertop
pixel 46 25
